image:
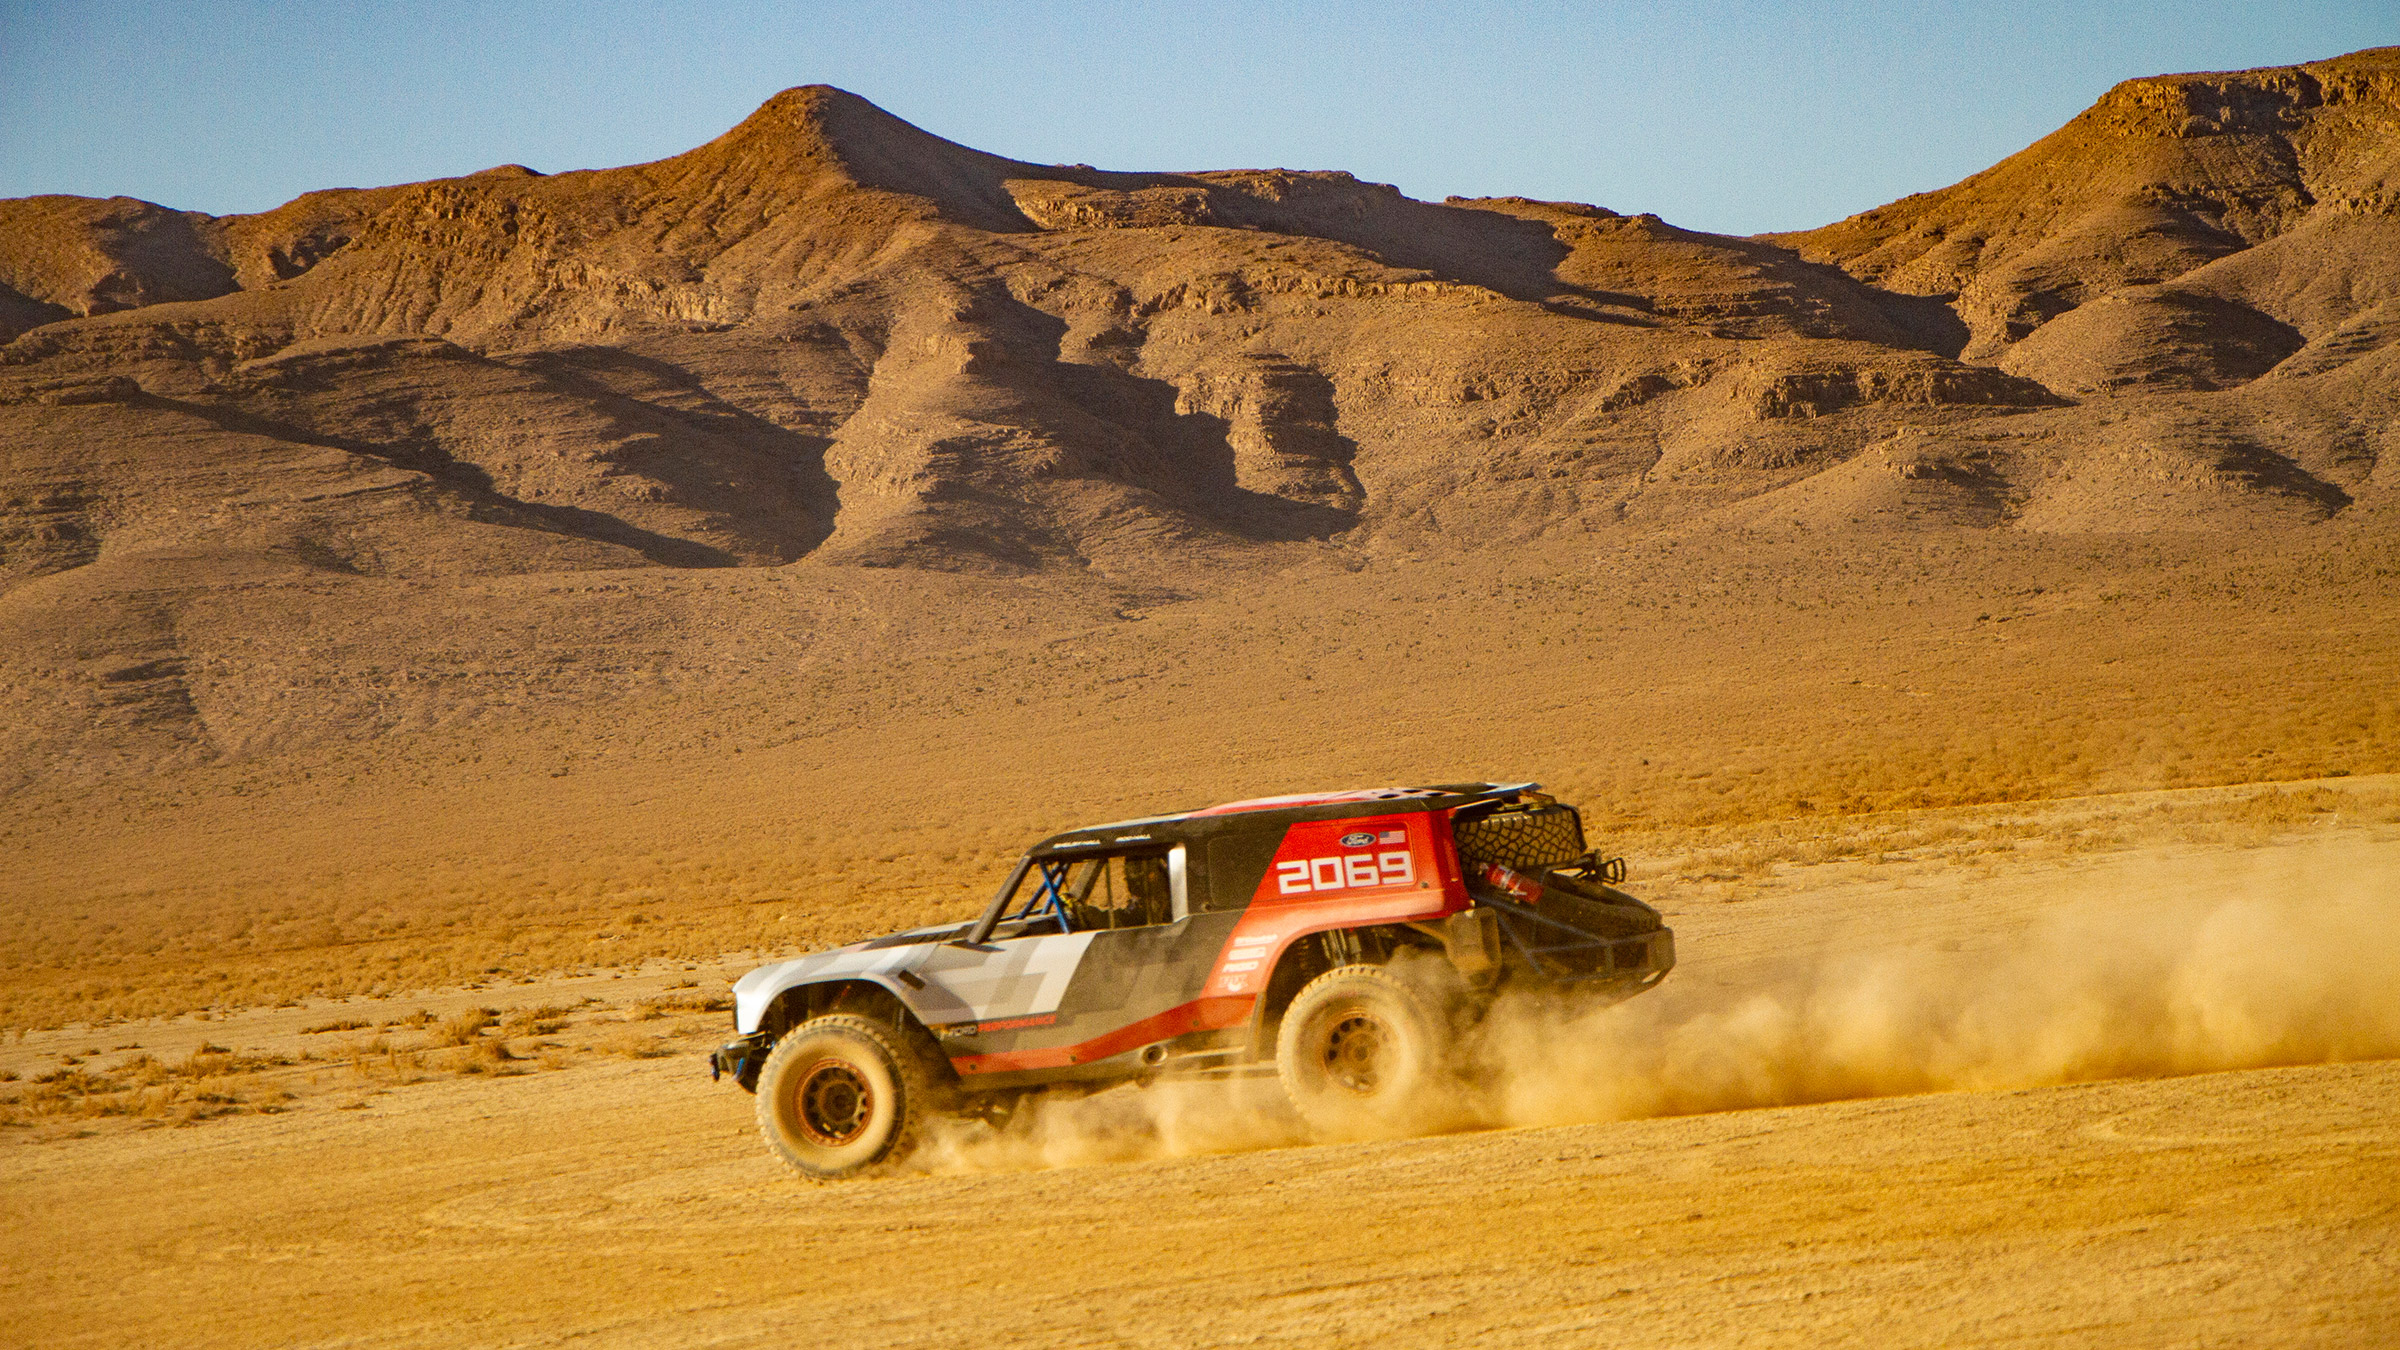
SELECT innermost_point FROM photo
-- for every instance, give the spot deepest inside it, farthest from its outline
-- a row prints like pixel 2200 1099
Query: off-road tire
pixel 842 1094
pixel 1362 1055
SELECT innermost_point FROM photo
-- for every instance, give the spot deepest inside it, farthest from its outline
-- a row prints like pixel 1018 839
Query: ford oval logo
pixel 1359 840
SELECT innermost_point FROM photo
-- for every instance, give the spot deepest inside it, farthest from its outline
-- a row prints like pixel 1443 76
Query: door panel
pixel 997 981
pixel 1130 986
pixel 1133 973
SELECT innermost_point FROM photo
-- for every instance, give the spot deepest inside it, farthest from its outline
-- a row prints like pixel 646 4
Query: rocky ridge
pixel 830 339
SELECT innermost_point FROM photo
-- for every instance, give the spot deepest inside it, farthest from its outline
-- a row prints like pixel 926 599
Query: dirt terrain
pixel 777 787
pixel 618 1200
pixel 447 630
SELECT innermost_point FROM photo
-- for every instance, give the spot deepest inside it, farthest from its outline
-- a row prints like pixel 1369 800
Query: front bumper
pixel 741 1057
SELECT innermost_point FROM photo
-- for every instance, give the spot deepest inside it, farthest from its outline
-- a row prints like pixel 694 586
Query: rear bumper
pixel 1660 956
pixel 1625 966
pixel 741 1058
pixel 1644 958
pixel 1570 947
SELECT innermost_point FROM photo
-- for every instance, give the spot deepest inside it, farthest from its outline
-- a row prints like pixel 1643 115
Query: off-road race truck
pixel 1339 941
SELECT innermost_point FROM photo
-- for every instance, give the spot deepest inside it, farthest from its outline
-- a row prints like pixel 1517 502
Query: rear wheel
pixel 841 1094
pixel 1364 1056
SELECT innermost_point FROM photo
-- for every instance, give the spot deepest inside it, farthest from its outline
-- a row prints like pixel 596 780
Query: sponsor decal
pixel 1242 958
pixel 1019 1023
pixel 1345 872
pixel 1332 873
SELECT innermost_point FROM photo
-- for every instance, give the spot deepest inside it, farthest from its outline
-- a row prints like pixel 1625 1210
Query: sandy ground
pixel 628 1201
pixel 823 783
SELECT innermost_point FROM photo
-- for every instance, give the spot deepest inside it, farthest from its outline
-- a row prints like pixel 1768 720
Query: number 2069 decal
pixel 1343 872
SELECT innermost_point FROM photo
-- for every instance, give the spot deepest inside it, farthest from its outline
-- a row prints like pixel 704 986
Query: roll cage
pixel 1052 888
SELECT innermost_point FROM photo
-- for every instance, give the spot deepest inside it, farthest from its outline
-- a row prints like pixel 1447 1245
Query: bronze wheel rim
pixel 1353 1052
pixel 835 1103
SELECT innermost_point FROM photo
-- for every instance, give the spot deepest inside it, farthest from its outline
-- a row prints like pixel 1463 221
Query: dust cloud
pixel 1167 1119
pixel 2290 957
pixel 2289 960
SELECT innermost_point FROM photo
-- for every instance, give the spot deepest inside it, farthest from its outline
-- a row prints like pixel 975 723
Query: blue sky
pixel 1731 116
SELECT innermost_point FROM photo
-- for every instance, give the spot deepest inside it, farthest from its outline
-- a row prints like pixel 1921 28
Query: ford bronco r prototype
pixel 1337 941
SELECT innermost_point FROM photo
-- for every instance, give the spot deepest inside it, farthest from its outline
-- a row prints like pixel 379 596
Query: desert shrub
pixel 490 1055
pixel 651 1009
pixel 545 1020
pixel 466 1028
pixel 143 1087
pixel 634 1045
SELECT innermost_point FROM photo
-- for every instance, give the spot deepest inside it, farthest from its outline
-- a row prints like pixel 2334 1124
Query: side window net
pixel 1237 864
pixel 1122 891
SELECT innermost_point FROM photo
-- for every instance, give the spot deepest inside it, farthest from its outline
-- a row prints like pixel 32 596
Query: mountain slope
pixel 828 339
pixel 2160 177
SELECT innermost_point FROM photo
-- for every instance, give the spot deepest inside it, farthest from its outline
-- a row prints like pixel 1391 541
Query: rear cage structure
pixel 1542 840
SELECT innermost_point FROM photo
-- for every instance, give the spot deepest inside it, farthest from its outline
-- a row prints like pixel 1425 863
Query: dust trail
pixel 2288 957
pixel 1162 1120
pixel 2288 960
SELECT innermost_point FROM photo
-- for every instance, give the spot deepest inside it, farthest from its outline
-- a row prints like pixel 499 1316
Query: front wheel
pixel 1364 1056
pixel 841 1094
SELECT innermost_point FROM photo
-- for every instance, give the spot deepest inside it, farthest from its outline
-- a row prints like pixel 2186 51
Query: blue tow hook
pixel 734 1057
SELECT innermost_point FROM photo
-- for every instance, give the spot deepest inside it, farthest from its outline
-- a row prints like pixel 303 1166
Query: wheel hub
pixel 835 1103
pixel 1354 1051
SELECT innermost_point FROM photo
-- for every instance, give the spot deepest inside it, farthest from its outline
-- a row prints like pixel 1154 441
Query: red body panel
pixel 1328 874
pixel 1341 874
pixel 1203 1014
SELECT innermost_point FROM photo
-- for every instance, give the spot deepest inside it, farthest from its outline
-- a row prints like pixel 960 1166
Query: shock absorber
pixel 1342 948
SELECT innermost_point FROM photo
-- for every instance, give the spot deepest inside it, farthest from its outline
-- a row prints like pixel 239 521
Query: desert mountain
pixel 828 338
pixel 2143 201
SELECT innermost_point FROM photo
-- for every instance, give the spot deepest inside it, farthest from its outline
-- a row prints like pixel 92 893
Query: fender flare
pixel 752 1004
pixel 1265 1010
